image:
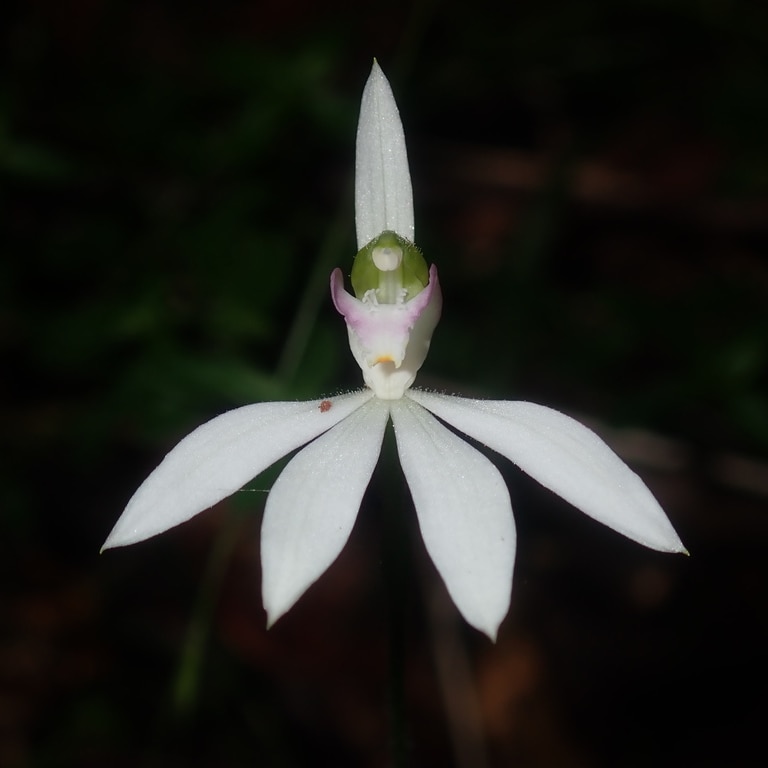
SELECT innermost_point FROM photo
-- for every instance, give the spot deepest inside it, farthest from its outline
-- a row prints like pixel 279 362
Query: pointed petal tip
pixel 272 617
pixel 491 631
pixel 376 76
pixel 275 606
pixel 486 626
pixel 117 539
pixel 664 539
pixel 106 545
pixel 122 535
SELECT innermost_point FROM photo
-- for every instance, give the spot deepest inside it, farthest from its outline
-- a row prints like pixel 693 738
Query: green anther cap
pixel 386 261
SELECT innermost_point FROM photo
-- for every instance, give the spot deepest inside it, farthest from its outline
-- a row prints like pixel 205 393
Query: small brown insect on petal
pixel 325 406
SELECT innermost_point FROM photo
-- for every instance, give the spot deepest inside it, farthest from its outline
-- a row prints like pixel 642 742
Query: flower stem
pixel 315 293
pixel 188 673
pixel 395 567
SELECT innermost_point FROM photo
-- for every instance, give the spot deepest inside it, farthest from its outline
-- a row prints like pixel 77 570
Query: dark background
pixel 591 179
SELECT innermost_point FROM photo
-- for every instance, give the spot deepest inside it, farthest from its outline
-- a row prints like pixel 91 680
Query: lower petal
pixel 464 513
pixel 566 457
pixel 312 507
pixel 221 456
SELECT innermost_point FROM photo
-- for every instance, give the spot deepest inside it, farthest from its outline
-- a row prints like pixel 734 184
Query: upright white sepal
pixel 313 505
pixel 566 457
pixel 464 513
pixel 383 196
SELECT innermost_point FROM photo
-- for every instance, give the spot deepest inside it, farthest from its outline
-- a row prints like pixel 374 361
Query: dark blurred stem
pixel 316 291
pixel 456 679
pixel 395 551
pixel 188 673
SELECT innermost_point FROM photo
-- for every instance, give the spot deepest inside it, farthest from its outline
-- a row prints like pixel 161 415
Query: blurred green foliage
pixel 176 187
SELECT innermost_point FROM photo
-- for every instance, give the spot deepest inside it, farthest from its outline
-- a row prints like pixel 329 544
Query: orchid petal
pixel 221 456
pixel 383 196
pixel 464 513
pixel 312 506
pixel 564 456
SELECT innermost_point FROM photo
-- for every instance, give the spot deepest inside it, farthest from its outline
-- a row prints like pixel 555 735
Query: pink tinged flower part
pixel 312 506
pixel 464 514
pixel 219 457
pixel 566 457
pixel 383 195
pixel 389 341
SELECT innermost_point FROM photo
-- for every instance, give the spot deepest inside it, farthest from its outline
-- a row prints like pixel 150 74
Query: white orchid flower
pixel 461 500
